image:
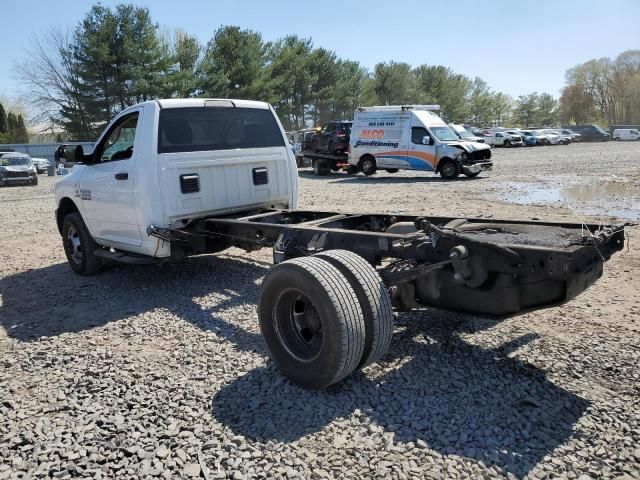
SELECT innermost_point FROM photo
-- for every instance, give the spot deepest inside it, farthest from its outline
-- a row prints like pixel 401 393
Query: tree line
pixel 603 90
pixel 115 57
pixel 12 127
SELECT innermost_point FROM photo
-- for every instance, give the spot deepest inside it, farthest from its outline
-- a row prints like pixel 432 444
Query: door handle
pixel 122 176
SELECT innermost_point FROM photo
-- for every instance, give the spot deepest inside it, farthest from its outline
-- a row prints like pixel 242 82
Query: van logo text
pixel 372 134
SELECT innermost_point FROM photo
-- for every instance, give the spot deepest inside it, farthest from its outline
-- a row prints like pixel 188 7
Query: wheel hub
pixel 74 245
pixel 298 325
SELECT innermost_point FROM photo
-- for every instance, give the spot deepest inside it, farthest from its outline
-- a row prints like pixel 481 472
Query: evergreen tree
pixel 3 120
pixel 186 51
pixel 232 63
pixel 394 83
pixel 21 135
pixel 12 123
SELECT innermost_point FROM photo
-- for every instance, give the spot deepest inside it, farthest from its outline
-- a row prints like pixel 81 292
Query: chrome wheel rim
pixel 74 245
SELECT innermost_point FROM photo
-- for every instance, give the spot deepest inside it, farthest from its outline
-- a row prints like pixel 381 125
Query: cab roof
pixel 210 102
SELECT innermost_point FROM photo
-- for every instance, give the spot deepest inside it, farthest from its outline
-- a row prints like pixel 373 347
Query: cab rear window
pixel 198 129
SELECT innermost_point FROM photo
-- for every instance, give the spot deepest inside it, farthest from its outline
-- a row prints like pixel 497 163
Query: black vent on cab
pixel 189 183
pixel 260 176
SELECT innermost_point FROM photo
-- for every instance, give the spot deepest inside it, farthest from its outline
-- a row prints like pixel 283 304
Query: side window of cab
pixel 118 143
pixel 418 134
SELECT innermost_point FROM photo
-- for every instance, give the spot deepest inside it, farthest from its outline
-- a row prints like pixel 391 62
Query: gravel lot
pixel 160 371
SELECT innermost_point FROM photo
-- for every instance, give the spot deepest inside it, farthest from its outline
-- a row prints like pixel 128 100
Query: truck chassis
pixel 489 267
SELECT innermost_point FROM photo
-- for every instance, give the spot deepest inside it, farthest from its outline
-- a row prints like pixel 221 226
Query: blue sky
pixel 517 47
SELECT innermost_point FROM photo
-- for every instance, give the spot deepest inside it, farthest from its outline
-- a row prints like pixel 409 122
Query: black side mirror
pixel 74 154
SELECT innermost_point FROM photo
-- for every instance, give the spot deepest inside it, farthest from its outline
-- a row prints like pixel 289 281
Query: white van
pixel 625 134
pixel 412 137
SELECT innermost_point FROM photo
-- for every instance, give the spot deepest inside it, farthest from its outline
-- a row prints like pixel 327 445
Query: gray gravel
pixel 144 372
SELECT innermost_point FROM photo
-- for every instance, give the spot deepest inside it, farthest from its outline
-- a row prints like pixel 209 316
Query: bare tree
pixel 49 81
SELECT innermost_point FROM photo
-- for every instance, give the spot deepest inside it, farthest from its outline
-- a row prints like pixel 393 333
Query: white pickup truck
pixel 503 139
pixel 170 178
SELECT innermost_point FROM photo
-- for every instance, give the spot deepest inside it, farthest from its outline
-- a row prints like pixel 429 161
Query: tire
pixel 368 165
pixel 320 168
pixel 373 298
pixel 507 144
pixel 449 170
pixel 311 322
pixel 34 182
pixel 393 170
pixel 79 246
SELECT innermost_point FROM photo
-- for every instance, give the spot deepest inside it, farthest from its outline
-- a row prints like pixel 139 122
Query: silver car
pixel 17 168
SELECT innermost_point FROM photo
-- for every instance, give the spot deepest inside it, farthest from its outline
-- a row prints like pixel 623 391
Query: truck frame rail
pixel 481 266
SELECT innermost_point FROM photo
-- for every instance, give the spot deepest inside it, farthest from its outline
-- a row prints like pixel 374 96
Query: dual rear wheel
pixel 325 316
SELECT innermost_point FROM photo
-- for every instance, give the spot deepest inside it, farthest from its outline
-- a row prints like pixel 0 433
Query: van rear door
pixel 217 159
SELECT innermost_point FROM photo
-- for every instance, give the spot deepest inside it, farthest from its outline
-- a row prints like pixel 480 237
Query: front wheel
pixel 34 182
pixel 507 144
pixel 79 246
pixel 449 170
pixel 311 322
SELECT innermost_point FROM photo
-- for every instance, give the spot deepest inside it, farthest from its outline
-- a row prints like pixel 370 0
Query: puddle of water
pixel 619 199
pixel 600 191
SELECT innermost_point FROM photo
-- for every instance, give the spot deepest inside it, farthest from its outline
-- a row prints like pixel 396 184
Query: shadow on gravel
pixel 339 177
pixel 456 397
pixel 51 301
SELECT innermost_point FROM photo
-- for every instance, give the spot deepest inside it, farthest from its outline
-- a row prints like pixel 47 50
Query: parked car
pixel 556 138
pixel 41 164
pixel 590 133
pixel 527 140
pixel 535 137
pixel 17 168
pixel 465 134
pixel 625 134
pixel 305 139
pixel 302 143
pixel 503 139
pixel 576 137
pixel 333 137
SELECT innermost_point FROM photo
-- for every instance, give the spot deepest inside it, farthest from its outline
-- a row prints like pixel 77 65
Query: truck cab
pixel 503 139
pixel 168 162
pixel 412 137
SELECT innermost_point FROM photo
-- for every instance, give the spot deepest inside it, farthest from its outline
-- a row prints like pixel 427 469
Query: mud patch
pixel 610 198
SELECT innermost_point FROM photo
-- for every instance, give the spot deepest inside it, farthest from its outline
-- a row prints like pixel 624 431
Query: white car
pixel 555 138
pixel 41 164
pixel 625 134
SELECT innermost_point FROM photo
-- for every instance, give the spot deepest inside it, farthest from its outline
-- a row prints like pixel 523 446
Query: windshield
pixel 464 133
pixel 444 134
pixel 8 161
